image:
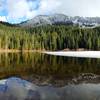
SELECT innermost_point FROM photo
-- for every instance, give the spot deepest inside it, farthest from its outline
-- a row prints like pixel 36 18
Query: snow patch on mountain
pixel 61 19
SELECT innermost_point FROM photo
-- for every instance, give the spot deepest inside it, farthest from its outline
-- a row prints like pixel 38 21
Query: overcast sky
pixel 15 11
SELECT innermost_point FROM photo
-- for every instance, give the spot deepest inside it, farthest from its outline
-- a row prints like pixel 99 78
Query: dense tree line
pixel 55 37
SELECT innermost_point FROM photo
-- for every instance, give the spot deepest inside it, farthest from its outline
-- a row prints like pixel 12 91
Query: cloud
pixel 18 10
pixel 89 8
pixel 49 5
pixel 30 8
pixel 3 18
pixel 45 7
pixel 21 9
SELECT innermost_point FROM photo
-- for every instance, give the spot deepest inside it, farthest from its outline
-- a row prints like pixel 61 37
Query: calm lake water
pixel 36 76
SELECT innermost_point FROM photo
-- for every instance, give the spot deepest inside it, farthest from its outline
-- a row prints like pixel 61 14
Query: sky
pixel 16 11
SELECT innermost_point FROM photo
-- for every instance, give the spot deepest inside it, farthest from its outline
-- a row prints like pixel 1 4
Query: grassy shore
pixel 18 51
pixel 43 51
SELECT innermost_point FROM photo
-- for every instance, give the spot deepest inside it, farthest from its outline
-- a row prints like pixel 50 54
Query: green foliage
pixel 55 37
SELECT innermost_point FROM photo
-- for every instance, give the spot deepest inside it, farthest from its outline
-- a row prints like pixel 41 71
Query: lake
pixel 36 76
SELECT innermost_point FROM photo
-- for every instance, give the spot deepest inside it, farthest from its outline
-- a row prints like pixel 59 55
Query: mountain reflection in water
pixel 46 77
pixel 18 89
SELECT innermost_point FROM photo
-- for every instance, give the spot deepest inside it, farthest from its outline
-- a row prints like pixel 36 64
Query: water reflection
pixel 41 68
pixel 18 89
pixel 48 77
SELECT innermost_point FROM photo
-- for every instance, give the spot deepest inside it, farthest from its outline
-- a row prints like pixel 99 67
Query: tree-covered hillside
pixel 54 37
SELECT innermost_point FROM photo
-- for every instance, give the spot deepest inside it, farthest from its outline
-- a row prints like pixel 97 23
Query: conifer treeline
pixel 56 37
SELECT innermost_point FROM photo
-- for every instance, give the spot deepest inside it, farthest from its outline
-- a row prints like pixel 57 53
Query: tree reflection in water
pixel 41 68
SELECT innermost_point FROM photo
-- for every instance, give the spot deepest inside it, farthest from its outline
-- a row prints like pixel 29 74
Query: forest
pixel 49 37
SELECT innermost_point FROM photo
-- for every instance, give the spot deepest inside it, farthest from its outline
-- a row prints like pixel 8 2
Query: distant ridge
pixel 61 19
pixel 6 23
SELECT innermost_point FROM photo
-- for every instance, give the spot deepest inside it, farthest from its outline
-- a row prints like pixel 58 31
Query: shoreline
pixel 69 53
pixel 43 50
pixel 18 51
pixel 80 54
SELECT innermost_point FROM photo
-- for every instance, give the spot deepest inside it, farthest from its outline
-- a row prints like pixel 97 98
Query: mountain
pixel 60 19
